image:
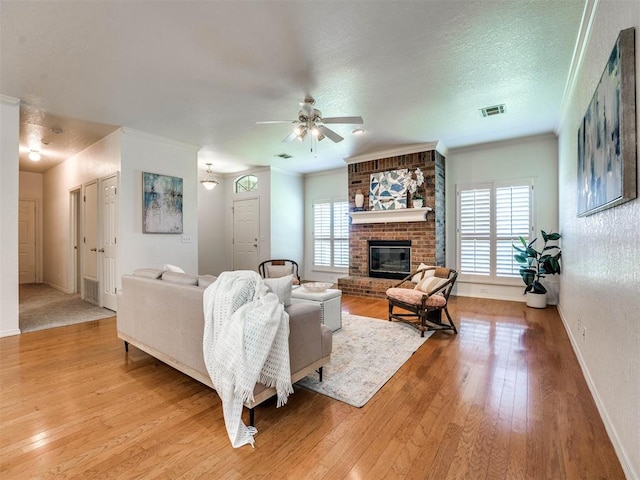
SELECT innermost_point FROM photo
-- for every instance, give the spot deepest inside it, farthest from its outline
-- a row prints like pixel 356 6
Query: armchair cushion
pixel 282 287
pixel 428 284
pixel 277 271
pixel 414 297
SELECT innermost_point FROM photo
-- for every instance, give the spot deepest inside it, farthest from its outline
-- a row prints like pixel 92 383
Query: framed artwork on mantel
pixel 161 203
pixel 388 190
pixel 607 151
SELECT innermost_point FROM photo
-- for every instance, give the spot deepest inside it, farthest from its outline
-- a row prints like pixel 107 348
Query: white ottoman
pixel 330 302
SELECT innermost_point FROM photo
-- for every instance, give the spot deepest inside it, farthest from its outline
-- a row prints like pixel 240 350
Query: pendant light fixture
pixel 209 182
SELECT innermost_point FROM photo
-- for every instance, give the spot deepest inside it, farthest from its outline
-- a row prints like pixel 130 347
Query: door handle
pixel 93 249
pixel 101 250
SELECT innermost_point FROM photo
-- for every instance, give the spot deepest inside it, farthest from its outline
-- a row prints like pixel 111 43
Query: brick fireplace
pixel 426 237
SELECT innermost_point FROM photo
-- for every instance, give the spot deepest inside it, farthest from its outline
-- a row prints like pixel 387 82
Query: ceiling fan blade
pixel 357 120
pixel 275 121
pixel 330 133
pixel 290 137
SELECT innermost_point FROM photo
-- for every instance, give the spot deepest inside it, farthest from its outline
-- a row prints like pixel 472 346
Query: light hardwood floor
pixel 504 399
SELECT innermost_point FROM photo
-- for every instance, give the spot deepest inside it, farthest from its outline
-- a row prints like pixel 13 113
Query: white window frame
pixel 492 277
pixel 331 237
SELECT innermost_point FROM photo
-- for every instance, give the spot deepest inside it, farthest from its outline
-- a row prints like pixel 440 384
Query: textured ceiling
pixel 206 72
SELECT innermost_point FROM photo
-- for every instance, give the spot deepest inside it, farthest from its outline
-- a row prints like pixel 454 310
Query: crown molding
pixel 9 100
pixel 158 138
pixel 584 33
pixel 397 151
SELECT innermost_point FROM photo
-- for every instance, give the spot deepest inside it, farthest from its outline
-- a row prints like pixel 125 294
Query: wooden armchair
pixel 279 268
pixel 426 301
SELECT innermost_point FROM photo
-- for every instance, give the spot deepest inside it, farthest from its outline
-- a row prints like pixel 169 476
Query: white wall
pixel 30 188
pixel 321 185
pixel 96 161
pixel 529 157
pixel 600 283
pixel 287 216
pixel 211 228
pixel 9 145
pixel 143 152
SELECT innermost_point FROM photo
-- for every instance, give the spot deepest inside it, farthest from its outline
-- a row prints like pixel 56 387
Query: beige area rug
pixel 42 306
pixel 367 352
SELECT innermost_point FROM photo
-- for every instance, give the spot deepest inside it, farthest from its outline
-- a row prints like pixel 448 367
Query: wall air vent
pixel 493 110
pixel 283 155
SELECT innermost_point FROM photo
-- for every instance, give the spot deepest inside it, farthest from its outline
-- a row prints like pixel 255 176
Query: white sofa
pixel 161 313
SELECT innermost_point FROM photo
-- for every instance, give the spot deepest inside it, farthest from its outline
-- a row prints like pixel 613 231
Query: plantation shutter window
pixel 475 230
pixel 331 233
pixel 491 218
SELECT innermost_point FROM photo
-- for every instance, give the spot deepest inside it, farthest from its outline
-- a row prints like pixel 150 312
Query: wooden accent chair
pixel 279 268
pixel 426 301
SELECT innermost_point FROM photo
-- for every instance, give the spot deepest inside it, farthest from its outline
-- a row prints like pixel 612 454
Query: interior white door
pixel 108 251
pixel 90 242
pixel 27 241
pixel 246 232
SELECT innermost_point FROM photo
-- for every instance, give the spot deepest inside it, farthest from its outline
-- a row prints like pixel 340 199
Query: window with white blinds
pixel 491 218
pixel 331 233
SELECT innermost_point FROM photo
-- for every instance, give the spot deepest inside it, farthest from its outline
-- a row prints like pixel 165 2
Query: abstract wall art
pixel 162 203
pixel 607 152
pixel 388 190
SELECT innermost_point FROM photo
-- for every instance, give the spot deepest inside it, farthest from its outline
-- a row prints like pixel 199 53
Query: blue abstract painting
pixel 601 142
pixel 388 190
pixel 162 203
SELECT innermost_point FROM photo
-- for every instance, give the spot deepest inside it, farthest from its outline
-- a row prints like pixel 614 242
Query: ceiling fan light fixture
pixel 357 131
pixel 34 155
pixel 209 182
pixel 302 133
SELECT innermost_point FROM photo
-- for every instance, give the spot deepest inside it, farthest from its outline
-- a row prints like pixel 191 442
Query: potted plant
pixel 535 265
pixel 412 185
pixel 417 200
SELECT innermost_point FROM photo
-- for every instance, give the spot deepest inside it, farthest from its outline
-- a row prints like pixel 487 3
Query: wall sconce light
pixel 34 155
pixel 209 182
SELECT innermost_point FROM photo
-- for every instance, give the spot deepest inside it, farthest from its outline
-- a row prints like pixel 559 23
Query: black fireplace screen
pixel 389 258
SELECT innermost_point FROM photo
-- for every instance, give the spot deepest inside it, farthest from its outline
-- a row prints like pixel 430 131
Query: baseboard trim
pixel 58 287
pixel 608 424
pixel 10 333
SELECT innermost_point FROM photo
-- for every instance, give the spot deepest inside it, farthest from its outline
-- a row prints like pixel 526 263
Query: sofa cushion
pixel 206 280
pixel 282 287
pixel 180 278
pixel 148 272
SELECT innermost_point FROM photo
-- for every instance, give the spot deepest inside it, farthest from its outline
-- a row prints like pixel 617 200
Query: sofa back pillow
pixel 180 278
pixel 154 273
pixel 206 280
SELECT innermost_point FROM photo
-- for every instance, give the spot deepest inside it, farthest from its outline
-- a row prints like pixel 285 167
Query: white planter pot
pixel 417 203
pixel 536 300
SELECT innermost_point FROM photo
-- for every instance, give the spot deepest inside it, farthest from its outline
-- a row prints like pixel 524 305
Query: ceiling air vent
pixel 493 110
pixel 283 155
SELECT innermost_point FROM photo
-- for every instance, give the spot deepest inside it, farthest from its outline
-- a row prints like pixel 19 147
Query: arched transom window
pixel 246 183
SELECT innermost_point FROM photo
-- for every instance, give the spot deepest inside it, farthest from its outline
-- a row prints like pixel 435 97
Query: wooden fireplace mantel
pixel 388 216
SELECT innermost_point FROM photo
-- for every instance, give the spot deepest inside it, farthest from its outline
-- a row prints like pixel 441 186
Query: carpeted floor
pixel 42 306
pixel 366 353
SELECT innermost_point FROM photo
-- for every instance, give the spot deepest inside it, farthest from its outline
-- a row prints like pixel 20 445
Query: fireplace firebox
pixel 389 258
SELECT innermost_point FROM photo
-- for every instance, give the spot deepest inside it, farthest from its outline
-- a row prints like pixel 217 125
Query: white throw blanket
pixel 246 340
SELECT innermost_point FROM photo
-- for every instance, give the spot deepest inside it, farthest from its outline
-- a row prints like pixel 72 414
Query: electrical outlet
pixel 186 238
pixel 579 326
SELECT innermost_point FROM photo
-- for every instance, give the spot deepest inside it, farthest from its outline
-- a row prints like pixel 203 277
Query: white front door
pixel 246 232
pixel 27 241
pixel 107 253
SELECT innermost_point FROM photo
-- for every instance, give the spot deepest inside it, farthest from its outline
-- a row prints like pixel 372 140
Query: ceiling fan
pixel 310 120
